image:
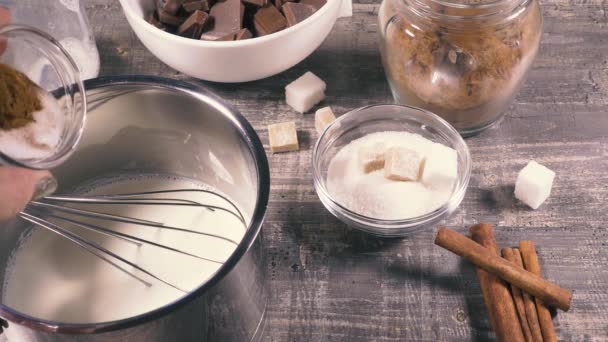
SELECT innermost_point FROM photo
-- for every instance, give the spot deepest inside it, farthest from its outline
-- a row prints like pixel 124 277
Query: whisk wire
pixel 55 208
pixel 88 246
pixel 124 219
pixel 139 240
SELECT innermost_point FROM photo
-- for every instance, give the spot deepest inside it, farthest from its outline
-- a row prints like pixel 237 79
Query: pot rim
pixel 259 155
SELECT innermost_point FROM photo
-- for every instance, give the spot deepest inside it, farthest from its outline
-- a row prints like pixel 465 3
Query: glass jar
pixel 464 60
pixel 64 20
pixel 59 77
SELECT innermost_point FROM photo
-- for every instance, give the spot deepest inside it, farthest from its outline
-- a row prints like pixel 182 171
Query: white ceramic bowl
pixel 234 61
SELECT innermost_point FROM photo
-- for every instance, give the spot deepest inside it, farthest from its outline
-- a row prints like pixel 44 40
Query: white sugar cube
pixel 402 164
pixel 323 117
pixel 283 137
pixel 440 168
pixel 533 185
pixel 371 157
pixel 305 92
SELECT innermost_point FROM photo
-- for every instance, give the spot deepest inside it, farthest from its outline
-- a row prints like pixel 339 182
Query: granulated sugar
pixel 39 139
pixel 372 194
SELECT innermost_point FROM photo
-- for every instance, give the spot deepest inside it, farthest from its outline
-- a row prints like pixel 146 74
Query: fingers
pixel 17 186
pixel 5 15
pixel 5 18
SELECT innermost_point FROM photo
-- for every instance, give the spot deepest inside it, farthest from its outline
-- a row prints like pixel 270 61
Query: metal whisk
pixel 55 208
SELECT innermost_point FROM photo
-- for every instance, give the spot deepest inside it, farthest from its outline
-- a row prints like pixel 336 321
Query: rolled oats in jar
pixel 464 60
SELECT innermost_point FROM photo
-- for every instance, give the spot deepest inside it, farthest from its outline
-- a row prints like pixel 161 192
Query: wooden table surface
pixel 330 283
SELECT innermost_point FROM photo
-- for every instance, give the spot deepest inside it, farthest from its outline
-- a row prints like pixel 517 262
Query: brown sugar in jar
pixel 463 60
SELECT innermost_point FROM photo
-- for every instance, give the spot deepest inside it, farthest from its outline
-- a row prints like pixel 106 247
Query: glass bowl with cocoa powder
pixel 42 103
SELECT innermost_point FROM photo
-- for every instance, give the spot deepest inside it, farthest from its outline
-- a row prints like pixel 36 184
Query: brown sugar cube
pixel 402 164
pixel 371 158
pixel 283 137
pixel 323 117
pixel 269 20
pixel 193 26
pixel 243 34
pixel 170 19
pixel 200 5
pixel 317 4
pixel 169 6
pixel 295 12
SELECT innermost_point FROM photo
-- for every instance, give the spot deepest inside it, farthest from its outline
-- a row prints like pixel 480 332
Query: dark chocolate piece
pixel 169 6
pixel 269 20
pixel 295 12
pixel 226 17
pixel 218 38
pixel 243 34
pixel 317 4
pixel 258 3
pixel 152 19
pixel 193 26
pixel 279 3
pixel 170 19
pixel 200 5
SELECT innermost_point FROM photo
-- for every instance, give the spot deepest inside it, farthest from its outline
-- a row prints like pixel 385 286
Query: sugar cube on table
pixel 402 164
pixel 533 185
pixel 283 137
pixel 305 92
pixel 323 117
pixel 440 167
pixel 371 157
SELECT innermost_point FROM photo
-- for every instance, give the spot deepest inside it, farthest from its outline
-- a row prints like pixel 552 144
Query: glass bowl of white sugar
pixel 391 170
pixel 51 137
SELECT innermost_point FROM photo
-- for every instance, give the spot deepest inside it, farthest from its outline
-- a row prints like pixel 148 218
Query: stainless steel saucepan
pixel 141 124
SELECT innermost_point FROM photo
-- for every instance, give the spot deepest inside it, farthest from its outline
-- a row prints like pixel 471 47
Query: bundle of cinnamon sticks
pixel 516 295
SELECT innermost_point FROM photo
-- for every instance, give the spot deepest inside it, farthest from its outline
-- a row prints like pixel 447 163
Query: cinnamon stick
pixel 509 254
pixel 548 292
pixel 501 307
pixel 530 306
pixel 530 261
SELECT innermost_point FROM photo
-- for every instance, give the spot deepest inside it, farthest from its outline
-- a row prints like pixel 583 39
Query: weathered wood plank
pixel 330 283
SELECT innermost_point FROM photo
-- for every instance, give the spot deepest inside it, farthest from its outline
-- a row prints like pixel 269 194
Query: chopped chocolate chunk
pixel 228 37
pixel 295 12
pixel 244 34
pixel 191 6
pixel 193 26
pixel 258 3
pixel 152 19
pixel 170 19
pixel 169 6
pixel 317 4
pixel 269 20
pixel 227 17
pixel 219 38
pixel 279 3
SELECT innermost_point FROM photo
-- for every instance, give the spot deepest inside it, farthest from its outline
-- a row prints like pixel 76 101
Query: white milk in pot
pixel 52 278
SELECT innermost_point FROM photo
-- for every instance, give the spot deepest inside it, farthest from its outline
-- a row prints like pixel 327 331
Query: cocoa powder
pixel 19 98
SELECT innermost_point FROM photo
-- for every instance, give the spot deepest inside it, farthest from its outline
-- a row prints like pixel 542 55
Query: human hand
pixel 18 186
pixel 5 18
